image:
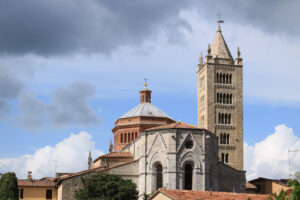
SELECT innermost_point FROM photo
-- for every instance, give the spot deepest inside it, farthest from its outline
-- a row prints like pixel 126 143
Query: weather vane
pixel 220 21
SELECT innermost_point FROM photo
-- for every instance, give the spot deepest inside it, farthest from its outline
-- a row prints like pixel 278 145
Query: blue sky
pixel 79 66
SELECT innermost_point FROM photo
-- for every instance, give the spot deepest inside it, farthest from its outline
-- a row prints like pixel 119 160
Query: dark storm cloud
pixel 60 27
pixel 69 106
pixel 273 16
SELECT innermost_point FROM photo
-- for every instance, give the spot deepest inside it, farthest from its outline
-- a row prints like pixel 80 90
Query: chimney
pixel 29 175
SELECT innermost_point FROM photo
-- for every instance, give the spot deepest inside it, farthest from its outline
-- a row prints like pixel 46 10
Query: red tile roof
pixel 121 154
pixel 35 183
pixel 179 125
pixel 206 195
pixel 117 154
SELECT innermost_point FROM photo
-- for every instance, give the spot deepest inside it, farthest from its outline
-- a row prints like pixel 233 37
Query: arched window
pixel 226 158
pixel 229 118
pixel 221 78
pixel 132 136
pixel 224 138
pixel 221 138
pixel 224 98
pixel 135 134
pixel 226 119
pixel 220 120
pixel 218 98
pixel 218 78
pixel 227 81
pixel 223 117
pixel 223 158
pixel 230 99
pixel 128 137
pixel 121 138
pixel 159 176
pixel 224 77
pixel 230 79
pixel 125 137
pixel 227 140
pixel 188 177
pixel 227 99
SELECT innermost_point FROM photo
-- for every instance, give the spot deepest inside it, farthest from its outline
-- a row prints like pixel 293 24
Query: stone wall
pixel 230 179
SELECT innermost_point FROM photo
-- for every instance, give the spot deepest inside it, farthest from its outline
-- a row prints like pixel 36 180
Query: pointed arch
pixel 221 138
pixel 227 138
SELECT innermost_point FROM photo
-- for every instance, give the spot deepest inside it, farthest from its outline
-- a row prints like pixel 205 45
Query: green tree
pixel 103 186
pixel 9 186
pixel 281 196
pixel 295 193
pixel 297 175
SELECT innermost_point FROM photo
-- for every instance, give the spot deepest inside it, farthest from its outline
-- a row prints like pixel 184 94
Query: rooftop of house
pixel 35 183
pixel 205 195
pixel 116 154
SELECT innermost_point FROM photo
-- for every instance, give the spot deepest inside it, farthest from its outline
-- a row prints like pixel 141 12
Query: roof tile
pixel 205 195
pixel 35 183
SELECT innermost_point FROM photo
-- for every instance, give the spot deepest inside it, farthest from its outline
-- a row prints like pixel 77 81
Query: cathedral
pixel 155 151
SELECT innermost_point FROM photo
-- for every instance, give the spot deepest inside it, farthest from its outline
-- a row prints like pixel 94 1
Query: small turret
pixel 110 149
pixel 90 162
pixel 201 59
pixel 238 60
pixel 208 49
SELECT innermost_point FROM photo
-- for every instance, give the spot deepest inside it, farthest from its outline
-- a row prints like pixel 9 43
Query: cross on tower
pixel 220 21
pixel 145 84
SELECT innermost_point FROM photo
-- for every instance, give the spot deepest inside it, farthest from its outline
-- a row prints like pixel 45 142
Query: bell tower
pixel 220 99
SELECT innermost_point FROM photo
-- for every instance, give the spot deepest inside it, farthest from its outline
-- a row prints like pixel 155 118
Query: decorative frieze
pixel 224 86
pixel 224 126
pixel 224 106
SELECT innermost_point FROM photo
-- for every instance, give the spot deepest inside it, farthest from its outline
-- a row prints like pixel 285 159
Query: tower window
pixel 121 138
pixel 202 84
pixel 202 121
pixel 223 158
pixel 202 101
pixel 135 134
pixel 226 158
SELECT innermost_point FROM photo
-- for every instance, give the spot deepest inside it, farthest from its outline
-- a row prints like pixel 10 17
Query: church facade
pixel 155 151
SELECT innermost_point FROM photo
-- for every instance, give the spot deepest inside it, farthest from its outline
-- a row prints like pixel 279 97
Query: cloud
pixel 70 155
pixel 272 16
pixel 56 27
pixel 10 88
pixel 269 158
pixel 69 106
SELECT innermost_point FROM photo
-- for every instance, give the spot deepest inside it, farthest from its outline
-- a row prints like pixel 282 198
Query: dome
pixel 146 110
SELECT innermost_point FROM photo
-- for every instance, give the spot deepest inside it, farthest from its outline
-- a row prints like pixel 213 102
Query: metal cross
pixel 145 80
pixel 219 17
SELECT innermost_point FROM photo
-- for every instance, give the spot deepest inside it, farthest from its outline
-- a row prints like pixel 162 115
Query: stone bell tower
pixel 220 99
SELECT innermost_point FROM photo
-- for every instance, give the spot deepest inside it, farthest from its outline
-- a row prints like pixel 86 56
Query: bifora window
pixel 189 144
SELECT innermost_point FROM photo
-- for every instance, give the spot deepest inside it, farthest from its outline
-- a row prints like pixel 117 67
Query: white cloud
pixel 269 158
pixel 71 155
